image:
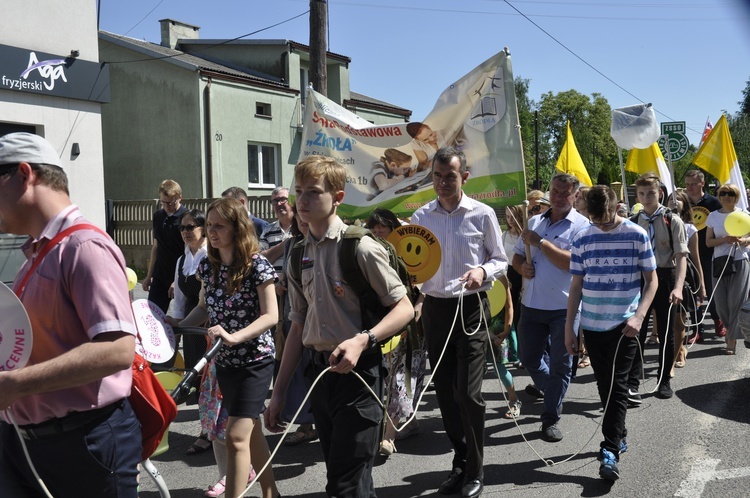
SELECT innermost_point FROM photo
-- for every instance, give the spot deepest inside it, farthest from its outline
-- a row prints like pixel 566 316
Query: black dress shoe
pixel 472 489
pixel 453 484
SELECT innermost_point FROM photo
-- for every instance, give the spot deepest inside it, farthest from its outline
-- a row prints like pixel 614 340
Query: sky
pixel 689 58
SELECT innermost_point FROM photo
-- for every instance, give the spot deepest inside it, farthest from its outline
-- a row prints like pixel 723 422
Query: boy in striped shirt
pixel 608 260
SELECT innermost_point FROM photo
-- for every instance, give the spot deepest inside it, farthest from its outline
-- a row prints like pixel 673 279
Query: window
pixel 262 165
pixel 263 109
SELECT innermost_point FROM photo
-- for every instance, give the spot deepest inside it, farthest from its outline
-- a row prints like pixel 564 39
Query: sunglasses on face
pixel 169 204
pixel 279 200
pixel 536 209
pixel 727 192
pixel 188 228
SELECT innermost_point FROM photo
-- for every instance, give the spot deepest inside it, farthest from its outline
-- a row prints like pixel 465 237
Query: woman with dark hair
pixel 239 302
pixel 680 203
pixel 382 222
pixel 731 268
pixel 187 288
pixel 399 404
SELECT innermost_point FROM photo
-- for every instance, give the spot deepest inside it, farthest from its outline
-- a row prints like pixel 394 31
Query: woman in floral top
pixel 239 300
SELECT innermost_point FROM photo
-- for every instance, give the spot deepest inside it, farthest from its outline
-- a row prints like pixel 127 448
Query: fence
pixel 131 225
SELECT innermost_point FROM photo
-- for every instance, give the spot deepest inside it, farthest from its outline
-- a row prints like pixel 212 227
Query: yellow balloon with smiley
pixel 420 250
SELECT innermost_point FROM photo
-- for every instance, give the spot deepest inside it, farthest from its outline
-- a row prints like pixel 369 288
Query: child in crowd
pixel 608 261
pixel 393 167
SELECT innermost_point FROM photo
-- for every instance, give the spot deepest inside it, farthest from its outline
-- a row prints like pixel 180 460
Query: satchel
pixel 720 263
pixel 152 404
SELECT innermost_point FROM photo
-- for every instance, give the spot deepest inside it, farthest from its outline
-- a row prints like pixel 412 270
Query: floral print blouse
pixel 237 311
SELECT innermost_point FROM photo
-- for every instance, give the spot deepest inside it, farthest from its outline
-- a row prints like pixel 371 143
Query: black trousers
pixel 601 347
pixel 458 378
pixel 98 459
pixel 665 330
pixel 348 420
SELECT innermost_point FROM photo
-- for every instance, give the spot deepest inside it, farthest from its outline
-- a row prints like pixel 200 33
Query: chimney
pixel 172 31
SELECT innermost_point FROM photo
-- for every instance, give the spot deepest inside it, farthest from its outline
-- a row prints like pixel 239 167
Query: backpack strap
pixel 352 274
pixel 294 263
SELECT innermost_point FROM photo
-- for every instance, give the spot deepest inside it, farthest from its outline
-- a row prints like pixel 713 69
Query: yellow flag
pixel 570 161
pixel 650 159
pixel 717 155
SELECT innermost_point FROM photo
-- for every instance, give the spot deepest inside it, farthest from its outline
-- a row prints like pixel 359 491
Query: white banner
pixel 390 165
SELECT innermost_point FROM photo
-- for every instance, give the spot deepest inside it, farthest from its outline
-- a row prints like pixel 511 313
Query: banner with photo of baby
pixel 390 165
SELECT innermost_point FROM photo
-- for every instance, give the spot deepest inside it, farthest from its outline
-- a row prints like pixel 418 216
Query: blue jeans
pixel 537 330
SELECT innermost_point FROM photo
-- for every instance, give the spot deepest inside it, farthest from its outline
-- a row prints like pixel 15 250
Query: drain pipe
pixel 209 140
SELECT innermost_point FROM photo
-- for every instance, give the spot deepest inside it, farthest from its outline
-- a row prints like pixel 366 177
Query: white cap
pixel 22 147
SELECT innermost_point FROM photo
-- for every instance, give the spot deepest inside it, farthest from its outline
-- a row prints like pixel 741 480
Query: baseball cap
pixel 28 148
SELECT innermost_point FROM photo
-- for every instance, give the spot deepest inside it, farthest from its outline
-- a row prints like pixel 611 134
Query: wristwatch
pixel 372 339
pixel 541 241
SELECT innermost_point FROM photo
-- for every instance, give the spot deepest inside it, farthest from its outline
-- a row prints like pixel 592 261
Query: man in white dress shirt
pixel 473 256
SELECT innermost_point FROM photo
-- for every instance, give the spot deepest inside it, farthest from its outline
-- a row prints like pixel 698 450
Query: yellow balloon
pixel 737 224
pixel 637 207
pixel 132 278
pixel 497 297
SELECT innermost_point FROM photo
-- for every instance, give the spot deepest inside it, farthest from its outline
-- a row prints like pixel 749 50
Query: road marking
pixel 703 471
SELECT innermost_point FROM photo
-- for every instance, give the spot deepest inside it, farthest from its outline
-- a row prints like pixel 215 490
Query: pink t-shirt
pixel 78 291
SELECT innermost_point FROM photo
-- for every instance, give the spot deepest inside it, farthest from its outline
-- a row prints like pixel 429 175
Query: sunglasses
pixel 536 209
pixel 170 204
pixel 188 228
pixel 727 192
pixel 279 200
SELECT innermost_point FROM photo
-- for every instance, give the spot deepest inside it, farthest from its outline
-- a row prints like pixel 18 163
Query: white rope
pixel 9 414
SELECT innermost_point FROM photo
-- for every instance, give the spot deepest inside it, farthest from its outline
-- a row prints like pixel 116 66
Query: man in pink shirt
pixel 70 401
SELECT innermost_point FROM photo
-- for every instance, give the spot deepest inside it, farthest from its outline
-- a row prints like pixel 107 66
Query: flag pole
pixel 624 182
pixel 671 168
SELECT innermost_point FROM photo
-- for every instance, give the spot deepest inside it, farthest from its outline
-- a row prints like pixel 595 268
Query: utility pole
pixel 537 183
pixel 318 46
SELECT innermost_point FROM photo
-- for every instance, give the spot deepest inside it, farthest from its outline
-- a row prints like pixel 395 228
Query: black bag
pixel 719 264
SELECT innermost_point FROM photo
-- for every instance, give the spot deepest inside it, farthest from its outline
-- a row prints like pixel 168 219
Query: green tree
pixel 525 120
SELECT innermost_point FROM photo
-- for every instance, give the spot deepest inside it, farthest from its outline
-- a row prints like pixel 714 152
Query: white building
pixel 51 84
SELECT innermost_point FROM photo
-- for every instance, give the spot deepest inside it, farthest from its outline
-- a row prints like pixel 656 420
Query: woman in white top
pixel 732 285
pixel 186 291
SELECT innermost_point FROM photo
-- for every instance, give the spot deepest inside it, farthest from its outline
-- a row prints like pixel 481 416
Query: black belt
pixel 59 426
pixel 320 358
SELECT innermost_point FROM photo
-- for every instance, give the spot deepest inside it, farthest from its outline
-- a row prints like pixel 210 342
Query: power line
pixel 144 18
pixel 553 16
pixel 210 46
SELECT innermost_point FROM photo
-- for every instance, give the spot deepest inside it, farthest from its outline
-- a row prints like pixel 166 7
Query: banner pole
pixel 624 182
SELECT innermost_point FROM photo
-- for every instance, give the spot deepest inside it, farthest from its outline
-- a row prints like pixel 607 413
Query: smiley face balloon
pixel 420 250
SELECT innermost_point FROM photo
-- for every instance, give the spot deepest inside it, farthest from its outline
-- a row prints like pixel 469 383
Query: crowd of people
pixel 582 280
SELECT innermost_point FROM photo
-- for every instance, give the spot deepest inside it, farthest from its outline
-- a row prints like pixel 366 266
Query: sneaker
pixel 665 390
pixel 634 398
pixel 551 433
pixel 534 391
pixel 721 331
pixel 623 445
pixel 608 469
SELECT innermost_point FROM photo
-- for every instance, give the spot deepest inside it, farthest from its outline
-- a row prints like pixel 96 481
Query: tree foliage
pixel 525 119
pixel 590 119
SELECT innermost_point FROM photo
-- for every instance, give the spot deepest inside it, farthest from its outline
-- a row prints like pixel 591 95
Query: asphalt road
pixel 693 445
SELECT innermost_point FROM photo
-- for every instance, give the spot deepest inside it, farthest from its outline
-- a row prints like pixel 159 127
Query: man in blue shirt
pixel 546 284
